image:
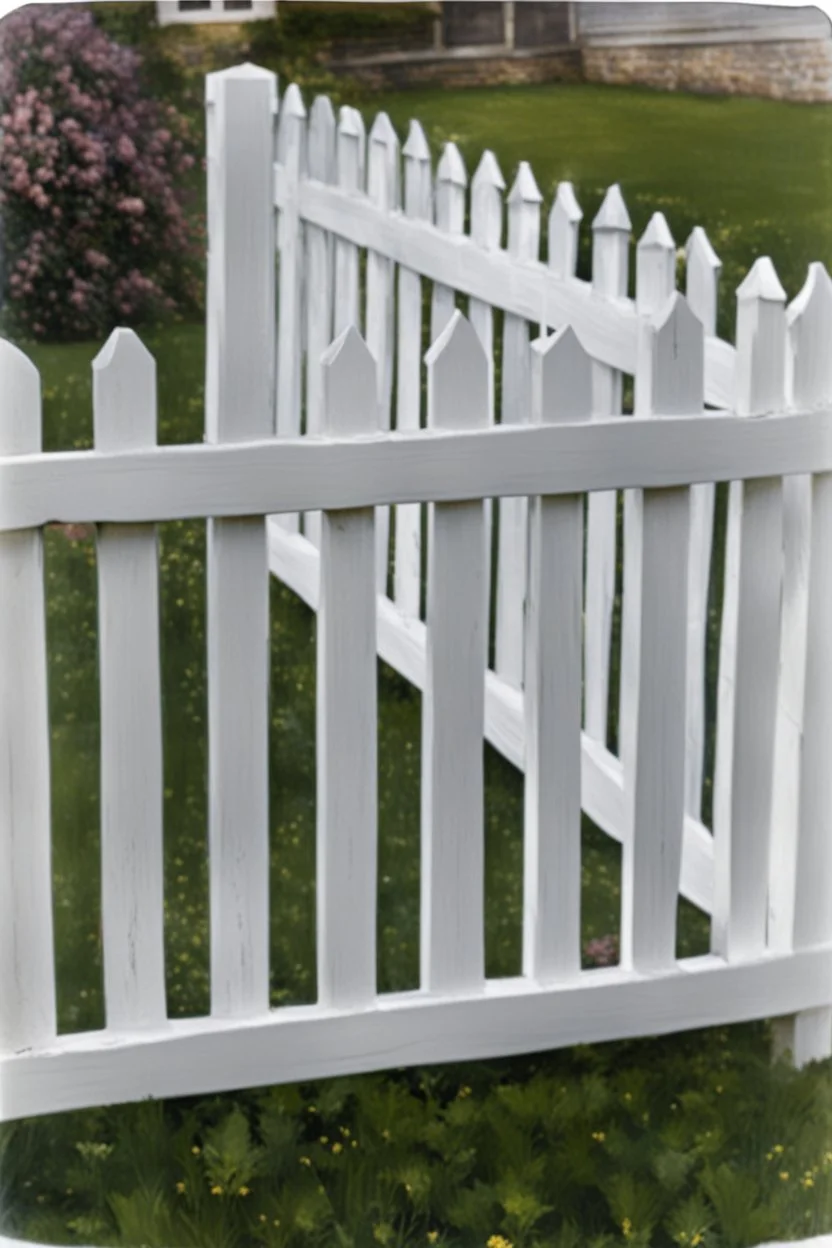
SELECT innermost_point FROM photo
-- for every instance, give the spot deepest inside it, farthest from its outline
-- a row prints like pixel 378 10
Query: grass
pixel 693 1139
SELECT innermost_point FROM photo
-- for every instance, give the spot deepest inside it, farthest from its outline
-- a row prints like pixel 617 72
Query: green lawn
pixel 689 1140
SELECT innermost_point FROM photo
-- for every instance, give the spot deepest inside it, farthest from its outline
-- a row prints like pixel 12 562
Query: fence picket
pixel 383 190
pixel 407 573
pixel 565 219
pixel 319 250
pixel 451 183
pixel 701 287
pixel 655 283
pixel 799 909
pixel 524 202
pixel 453 706
pixel 27 960
pixel 132 909
pixel 238 408
pixel 561 392
pixel 346 712
pixel 292 149
pixel 671 383
pixel 350 145
pixel 610 251
pixel 750 640
pixel 487 187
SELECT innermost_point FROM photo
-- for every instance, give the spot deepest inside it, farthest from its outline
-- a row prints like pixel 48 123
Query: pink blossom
pixel 132 205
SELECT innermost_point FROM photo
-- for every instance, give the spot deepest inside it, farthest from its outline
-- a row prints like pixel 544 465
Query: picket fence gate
pixel 756 415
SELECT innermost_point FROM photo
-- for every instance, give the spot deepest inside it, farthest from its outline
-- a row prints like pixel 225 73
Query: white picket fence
pixel 763 874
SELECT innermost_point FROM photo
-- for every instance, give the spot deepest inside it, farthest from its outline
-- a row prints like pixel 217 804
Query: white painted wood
pixel 318 281
pixel 451 184
pixel 401 644
pixel 801 852
pixel 524 202
pixel 292 149
pixel 267 476
pixel 561 392
pixel 487 187
pixel 132 859
pixel 750 640
pixel 655 284
pixel 530 290
pixel 298 1044
pixel 347 768
pixel 702 287
pixel 453 714
pixel 27 964
pixel 418 203
pixel 565 219
pixel 350 157
pixel 383 190
pixel 672 381
pixel 610 253
pixel 239 406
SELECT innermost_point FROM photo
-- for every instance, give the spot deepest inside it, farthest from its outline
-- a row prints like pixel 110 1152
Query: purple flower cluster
pixel 91 174
pixel 602 951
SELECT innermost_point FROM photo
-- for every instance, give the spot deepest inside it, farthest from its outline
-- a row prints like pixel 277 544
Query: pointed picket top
pixel 382 131
pixel 349 371
pixel 565 218
pixel 702 272
pixel 524 189
pixel 350 149
pixel 487 186
pixel 451 167
pixel 613 215
pixel 457 378
pixel 488 173
pixel 124 393
pixel 350 122
pixel 561 379
pixel 321 140
pixel 761 283
pixel 677 360
pixel 20 408
pixel 657 234
pixel 809 322
pixel 383 184
pixel 292 104
pixel 698 250
pixel 416 145
pixel 247 72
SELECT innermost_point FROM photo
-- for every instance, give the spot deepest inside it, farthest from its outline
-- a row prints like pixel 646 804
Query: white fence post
pixel 132 862
pixel 524 202
pixel 701 287
pixel 610 248
pixel 561 392
pixel 418 204
pixel 292 149
pixel 565 219
pixel 383 190
pixel 453 707
pixel 319 282
pixel 239 407
pixel 655 283
pixel 451 184
pixel 800 913
pixel 347 769
pixel 750 640
pixel 671 383
pixel 27 962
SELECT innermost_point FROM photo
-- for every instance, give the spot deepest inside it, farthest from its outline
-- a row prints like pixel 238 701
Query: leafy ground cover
pixel 688 1140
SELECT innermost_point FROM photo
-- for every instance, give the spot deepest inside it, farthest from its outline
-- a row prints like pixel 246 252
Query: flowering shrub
pixel 91 175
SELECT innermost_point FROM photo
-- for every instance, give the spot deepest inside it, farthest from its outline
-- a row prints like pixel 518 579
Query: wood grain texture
pixel 346 725
pixel 750 640
pixel 703 268
pixel 27 962
pixel 132 859
pixel 418 203
pixel 453 713
pixel 607 328
pixel 319 281
pixel 239 406
pixel 610 250
pixel 302 1043
pixel 561 391
pixel 524 202
pixel 672 379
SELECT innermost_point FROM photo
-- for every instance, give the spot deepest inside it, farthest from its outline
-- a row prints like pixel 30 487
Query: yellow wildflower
pixel 499 1241
pixel 324 1139
pixel 180 1187
pixel 305 1161
pixel 697 1239
pixel 778 1148
pixel 354 1144
pixel 600 1136
pixel 807 1182
pixel 243 1191
pixel 784 1174
pixel 433 1236
pixel 196 1150
pixel 385 1135
pixel 463 1092
pixel 627 1228
pixel 216 1190
pixel 345 1131
pixel 337 1147
pixel 263 1217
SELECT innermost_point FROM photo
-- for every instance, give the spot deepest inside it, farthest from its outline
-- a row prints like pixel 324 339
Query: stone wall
pixel 799 70
pixel 454 70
